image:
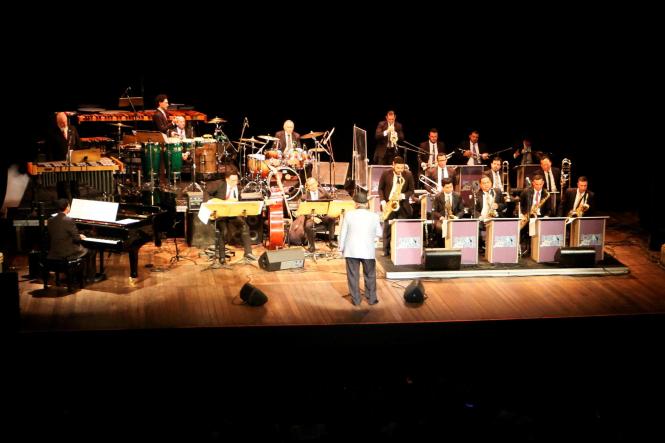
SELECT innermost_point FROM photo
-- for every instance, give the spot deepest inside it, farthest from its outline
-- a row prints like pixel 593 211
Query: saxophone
pixel 492 213
pixel 524 219
pixel 582 207
pixel 392 134
pixel 392 204
pixel 449 211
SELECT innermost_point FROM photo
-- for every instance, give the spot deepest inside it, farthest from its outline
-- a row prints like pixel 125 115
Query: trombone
pixel 505 180
pixel 565 173
pixel 430 185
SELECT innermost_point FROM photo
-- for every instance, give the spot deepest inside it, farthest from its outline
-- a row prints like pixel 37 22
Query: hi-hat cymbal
pixel 216 120
pixel 312 135
pixel 268 137
pixel 251 140
pixel 119 125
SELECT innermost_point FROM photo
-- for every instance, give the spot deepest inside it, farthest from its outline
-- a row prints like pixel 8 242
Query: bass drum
pixel 290 181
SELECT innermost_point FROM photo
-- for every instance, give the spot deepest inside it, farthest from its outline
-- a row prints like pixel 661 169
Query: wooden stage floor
pixel 189 294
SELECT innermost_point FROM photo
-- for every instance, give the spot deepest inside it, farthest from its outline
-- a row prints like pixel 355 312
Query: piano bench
pixel 73 269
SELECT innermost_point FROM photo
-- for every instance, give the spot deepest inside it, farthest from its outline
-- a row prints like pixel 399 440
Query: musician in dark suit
pixel 576 198
pixel 62 137
pixel 447 205
pixel 388 133
pixel 289 140
pixel 474 150
pixel 161 116
pixel 441 171
pixel 430 149
pixel 488 200
pixel 533 195
pixel 494 173
pixel 228 190
pixel 551 175
pixel 313 193
pixel 388 186
pixel 182 129
pixel 65 239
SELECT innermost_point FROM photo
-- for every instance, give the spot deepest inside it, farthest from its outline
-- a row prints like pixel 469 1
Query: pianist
pixel 65 240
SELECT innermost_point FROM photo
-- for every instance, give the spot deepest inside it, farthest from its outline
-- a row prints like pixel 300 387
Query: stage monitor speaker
pixel 576 257
pixel 198 234
pixel 440 259
pixel 415 292
pixel 252 295
pixel 255 224
pixel 282 259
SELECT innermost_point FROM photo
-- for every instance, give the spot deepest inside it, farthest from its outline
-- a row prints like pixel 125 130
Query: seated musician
pixel 228 190
pixel 489 204
pixel 314 192
pixel 289 141
pixel 447 205
pixel 577 200
pixel 430 150
pixel 534 202
pixel 65 240
pixel 440 171
pixel 183 132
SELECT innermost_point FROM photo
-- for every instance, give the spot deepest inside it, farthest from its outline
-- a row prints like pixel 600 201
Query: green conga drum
pixel 173 154
pixel 150 158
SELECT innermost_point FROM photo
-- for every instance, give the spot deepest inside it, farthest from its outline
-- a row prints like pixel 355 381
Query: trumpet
pixel 505 180
pixel 392 135
pixel 565 172
pixel 430 185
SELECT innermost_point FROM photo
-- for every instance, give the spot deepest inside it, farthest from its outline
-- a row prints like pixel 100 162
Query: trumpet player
pixel 441 171
pixel 472 148
pixel 430 150
pixel 577 198
pixel 388 133
pixel 392 181
pixel 447 205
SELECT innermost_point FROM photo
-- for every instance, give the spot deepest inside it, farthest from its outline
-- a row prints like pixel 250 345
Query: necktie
pixel 288 141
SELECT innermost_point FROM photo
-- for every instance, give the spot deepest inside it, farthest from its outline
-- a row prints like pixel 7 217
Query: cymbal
pixel 312 135
pixel 268 137
pixel 257 156
pixel 119 125
pixel 317 149
pixel 216 120
pixel 251 140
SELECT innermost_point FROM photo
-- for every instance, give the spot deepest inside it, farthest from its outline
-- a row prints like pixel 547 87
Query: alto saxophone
pixel 582 207
pixel 449 211
pixel 392 204
pixel 524 219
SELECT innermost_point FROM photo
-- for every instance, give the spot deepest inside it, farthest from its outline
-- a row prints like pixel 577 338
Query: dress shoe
pixel 333 244
pixel 373 302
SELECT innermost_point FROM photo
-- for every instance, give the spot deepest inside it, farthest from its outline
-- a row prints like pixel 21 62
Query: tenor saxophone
pixel 524 219
pixel 392 204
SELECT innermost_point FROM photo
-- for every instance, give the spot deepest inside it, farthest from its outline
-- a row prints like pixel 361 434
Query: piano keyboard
pixel 108 241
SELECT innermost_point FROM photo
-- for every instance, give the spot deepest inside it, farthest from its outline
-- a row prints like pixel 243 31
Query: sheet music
pixel 204 214
pixel 94 210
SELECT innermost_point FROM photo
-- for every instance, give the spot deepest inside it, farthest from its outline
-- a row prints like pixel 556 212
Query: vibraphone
pixel 118 116
pixel 98 175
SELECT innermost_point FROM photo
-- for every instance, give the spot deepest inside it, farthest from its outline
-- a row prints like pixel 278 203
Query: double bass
pixel 276 236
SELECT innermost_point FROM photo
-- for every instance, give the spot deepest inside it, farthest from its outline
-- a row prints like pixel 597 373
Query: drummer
pixel 289 141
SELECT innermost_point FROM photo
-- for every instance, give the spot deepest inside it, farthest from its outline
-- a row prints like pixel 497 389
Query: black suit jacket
pixel 386 185
pixel 323 195
pixel 58 145
pixel 569 201
pixel 526 198
pixel 423 155
pixel 490 174
pixel 383 140
pixel 439 207
pixel 295 137
pixel 498 199
pixel 220 191
pixel 65 241
pixel 163 124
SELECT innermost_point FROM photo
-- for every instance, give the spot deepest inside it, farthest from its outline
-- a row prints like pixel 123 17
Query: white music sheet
pixel 94 210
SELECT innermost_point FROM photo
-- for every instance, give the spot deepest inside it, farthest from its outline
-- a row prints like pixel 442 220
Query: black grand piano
pixel 135 226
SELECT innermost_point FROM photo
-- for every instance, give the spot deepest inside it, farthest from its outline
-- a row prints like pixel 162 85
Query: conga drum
pixel 173 154
pixel 150 158
pixel 206 157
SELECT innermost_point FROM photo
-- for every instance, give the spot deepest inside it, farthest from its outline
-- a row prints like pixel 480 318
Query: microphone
pixel 246 122
pixel 528 182
pixel 129 88
pixel 328 137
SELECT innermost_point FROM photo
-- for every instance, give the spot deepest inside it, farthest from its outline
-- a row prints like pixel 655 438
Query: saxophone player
pixel 447 205
pixel 388 133
pixel 532 205
pixel 396 179
pixel 577 199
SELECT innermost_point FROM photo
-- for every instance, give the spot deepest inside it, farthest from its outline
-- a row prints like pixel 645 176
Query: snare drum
pixel 150 159
pixel 173 156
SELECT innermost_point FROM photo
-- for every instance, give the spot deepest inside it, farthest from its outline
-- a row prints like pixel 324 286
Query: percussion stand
pixel 193 186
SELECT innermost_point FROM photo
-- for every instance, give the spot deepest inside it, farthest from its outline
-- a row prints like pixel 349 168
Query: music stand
pixel 339 207
pixel 313 207
pixel 225 209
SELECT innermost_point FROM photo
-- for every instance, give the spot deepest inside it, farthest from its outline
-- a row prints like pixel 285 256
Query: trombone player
pixel 441 171
pixel 395 189
pixel 447 206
